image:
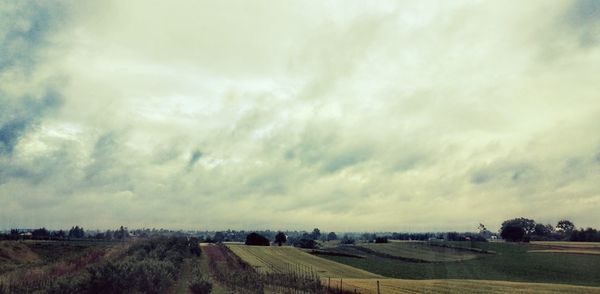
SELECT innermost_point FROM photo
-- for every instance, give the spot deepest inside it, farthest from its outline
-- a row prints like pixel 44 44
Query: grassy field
pixel 420 251
pixel 285 258
pixel 566 247
pixel 393 286
pixel 512 262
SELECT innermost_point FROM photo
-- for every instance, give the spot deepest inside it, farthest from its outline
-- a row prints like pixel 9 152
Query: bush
pixel 306 243
pixel 200 286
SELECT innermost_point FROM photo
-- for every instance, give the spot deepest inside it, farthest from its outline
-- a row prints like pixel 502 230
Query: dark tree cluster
pixel 525 230
pixel 255 239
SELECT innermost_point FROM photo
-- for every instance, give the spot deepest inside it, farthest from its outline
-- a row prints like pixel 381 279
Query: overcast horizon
pixel 393 116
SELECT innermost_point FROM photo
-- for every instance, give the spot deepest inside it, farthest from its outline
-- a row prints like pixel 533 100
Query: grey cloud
pixel 20 115
pixel 584 17
pixel 194 157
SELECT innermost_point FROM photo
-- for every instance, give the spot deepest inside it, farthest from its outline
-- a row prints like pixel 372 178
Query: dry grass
pixel 285 258
pixel 393 286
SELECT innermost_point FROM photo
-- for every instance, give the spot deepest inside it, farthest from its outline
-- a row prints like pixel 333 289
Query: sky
pixel 342 115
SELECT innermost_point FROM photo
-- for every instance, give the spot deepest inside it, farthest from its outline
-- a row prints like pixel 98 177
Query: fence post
pixel 378 292
pixel 341 286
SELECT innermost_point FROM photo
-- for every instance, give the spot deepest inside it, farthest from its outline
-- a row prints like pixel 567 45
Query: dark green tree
pixel 512 233
pixel 280 238
pixel 256 239
pixel 565 226
pixel 316 234
pixel 528 225
pixel 331 236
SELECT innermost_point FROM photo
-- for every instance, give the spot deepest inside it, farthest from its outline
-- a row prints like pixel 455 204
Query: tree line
pixel 524 230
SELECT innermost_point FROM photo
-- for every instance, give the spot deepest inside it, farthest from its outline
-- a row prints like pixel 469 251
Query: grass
pixel 286 258
pixel 392 286
pixel 512 262
pixel 567 244
pixel 566 247
pixel 420 251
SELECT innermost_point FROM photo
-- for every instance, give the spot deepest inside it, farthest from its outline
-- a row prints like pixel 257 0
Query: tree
pixel 280 238
pixel 316 234
pixel 76 232
pixel 255 239
pixel 306 243
pixel 565 226
pixel 219 237
pixel 40 233
pixel 484 232
pixel 121 233
pixel 543 230
pixel 512 233
pixel 331 236
pixel 528 225
pixel 347 240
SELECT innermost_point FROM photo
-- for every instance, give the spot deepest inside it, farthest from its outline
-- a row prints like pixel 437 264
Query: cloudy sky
pixel 400 115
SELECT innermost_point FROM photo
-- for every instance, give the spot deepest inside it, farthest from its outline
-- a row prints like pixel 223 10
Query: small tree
pixel 280 238
pixel 316 234
pixel 331 236
pixel 565 226
pixel 40 233
pixel 306 243
pixel 76 232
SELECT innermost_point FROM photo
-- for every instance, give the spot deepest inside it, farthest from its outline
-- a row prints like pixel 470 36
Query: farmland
pixel 420 251
pixel 282 259
pixel 566 247
pixel 511 262
pixel 393 286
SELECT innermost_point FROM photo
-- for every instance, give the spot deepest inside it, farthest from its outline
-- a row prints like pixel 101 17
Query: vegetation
pixel 418 252
pixel 288 259
pixel 395 286
pixel 513 262
pixel 148 266
pixel 255 239
pixel 280 238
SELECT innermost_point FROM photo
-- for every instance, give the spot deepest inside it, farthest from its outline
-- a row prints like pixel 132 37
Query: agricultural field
pixel 286 258
pixel 566 247
pixel 419 251
pixel 397 286
pixel 508 262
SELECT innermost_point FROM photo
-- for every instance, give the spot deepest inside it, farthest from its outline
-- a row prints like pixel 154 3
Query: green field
pixel 420 251
pixel 285 258
pixel 397 286
pixel 511 262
